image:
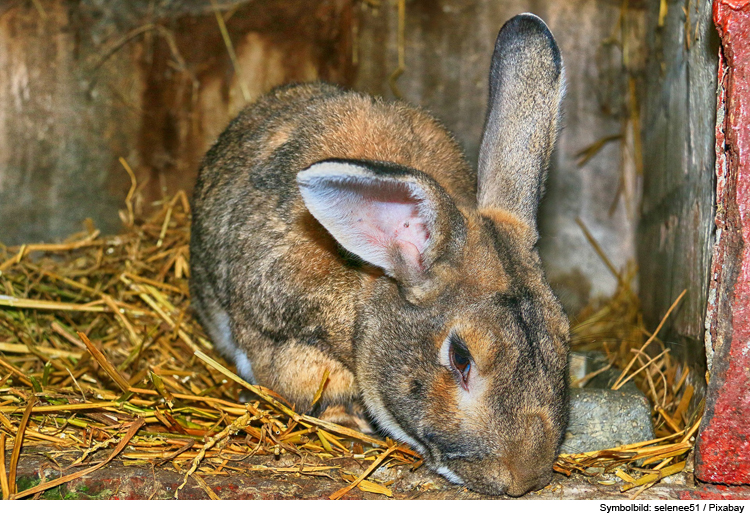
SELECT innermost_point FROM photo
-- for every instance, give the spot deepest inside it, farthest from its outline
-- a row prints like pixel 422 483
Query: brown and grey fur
pixel 271 284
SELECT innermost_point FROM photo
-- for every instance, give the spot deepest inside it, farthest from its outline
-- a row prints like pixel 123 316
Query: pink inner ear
pixel 384 222
pixel 395 222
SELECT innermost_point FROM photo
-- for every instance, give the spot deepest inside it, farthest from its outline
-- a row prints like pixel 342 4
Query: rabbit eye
pixel 460 360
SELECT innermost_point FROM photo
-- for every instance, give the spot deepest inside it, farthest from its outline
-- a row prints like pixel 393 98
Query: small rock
pixel 603 418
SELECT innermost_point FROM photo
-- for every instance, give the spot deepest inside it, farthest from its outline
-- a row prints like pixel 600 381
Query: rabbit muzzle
pixel 512 466
pixel 502 475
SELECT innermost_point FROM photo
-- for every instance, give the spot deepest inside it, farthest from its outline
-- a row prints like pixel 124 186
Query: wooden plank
pixel 676 226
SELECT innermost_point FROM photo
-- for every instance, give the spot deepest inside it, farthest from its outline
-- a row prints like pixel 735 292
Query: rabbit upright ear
pixel 391 216
pixel 526 90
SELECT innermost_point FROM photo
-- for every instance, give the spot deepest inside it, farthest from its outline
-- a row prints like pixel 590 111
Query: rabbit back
pixel 273 289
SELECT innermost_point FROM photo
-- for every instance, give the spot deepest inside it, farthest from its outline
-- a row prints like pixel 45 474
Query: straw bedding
pixel 99 352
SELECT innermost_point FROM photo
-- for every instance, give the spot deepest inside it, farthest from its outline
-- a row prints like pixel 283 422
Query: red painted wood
pixel 714 493
pixel 723 453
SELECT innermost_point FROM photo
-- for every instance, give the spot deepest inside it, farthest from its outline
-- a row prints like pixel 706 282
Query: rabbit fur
pixel 333 231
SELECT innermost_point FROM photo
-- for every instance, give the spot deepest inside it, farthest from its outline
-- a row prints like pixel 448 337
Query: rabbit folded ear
pixel 388 215
pixel 523 114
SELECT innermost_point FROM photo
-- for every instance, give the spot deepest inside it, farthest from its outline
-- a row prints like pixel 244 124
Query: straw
pixel 99 351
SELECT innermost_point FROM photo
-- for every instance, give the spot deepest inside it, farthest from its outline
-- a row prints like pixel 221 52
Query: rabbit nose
pixel 531 467
pixel 525 479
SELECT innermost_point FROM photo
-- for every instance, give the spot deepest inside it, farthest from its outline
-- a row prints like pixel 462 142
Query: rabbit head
pixel 462 354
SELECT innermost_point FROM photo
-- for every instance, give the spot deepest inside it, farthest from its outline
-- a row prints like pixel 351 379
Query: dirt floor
pixel 263 477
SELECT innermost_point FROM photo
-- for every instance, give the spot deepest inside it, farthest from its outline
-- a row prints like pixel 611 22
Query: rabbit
pixel 334 231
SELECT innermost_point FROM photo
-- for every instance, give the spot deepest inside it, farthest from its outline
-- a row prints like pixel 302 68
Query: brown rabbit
pixel 335 231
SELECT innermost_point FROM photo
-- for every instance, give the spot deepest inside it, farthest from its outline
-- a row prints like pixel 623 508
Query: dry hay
pixel 98 352
pixel 617 329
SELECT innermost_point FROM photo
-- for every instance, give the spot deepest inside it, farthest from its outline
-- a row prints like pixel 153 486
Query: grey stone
pixel 603 418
